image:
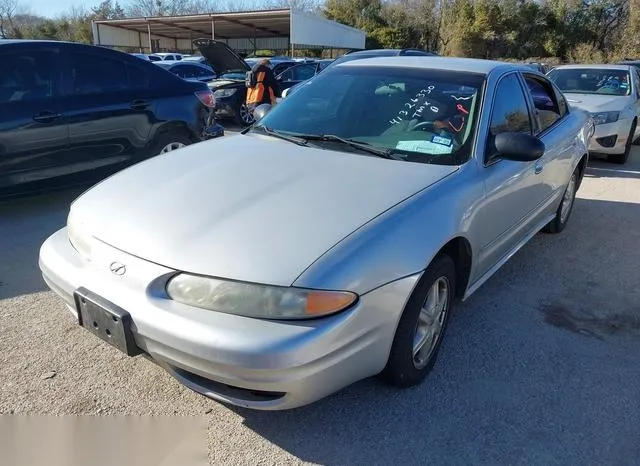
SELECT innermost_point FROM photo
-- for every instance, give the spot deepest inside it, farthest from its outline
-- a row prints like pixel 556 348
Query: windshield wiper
pixel 363 146
pixel 276 134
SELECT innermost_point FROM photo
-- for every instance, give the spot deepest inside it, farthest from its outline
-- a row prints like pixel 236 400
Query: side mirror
pixel 519 147
pixel 260 111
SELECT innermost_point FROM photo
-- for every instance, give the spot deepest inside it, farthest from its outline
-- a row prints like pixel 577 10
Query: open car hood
pixel 220 56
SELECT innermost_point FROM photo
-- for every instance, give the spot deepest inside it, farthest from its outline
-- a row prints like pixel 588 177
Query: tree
pixel 8 26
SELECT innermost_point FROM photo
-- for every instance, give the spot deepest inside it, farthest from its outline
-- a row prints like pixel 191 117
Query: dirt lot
pixel 541 366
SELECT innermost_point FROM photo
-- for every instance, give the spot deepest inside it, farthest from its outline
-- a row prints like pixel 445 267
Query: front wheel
pixel 422 325
pixel 565 208
pixel 244 117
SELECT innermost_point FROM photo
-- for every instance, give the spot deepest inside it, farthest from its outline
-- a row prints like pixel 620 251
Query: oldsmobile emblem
pixel 118 268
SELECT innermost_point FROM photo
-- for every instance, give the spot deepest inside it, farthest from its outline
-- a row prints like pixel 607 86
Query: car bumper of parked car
pixel 213 131
pixel 254 363
pixel 610 138
pixel 226 107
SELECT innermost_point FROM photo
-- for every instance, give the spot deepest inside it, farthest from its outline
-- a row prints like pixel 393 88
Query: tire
pixel 168 142
pixel 563 213
pixel 403 369
pixel 242 116
pixel 622 158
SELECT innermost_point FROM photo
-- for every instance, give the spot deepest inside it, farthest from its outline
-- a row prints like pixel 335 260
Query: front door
pixel 514 191
pixel 109 111
pixel 33 135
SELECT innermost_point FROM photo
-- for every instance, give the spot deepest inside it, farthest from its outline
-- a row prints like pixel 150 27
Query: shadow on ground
pixel 539 367
pixel 24 225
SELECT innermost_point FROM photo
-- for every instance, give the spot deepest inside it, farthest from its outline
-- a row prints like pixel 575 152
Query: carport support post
pixel 149 36
pixel 213 29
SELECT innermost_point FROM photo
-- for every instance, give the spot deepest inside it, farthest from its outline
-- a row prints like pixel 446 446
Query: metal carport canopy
pixel 299 29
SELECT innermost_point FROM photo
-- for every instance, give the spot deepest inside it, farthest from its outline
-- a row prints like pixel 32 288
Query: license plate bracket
pixel 106 320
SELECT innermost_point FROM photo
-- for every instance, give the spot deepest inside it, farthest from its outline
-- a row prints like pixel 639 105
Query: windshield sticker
pixel 426 147
pixel 412 108
pixel 445 141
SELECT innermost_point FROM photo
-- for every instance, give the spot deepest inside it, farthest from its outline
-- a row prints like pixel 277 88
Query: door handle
pixel 539 167
pixel 46 116
pixel 140 104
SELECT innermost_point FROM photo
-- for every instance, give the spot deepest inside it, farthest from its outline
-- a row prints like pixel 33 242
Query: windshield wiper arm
pixel 276 134
pixel 363 146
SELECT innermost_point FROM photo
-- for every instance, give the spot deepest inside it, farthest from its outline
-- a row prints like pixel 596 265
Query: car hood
pixel 246 207
pixel 597 103
pixel 220 56
pixel 220 83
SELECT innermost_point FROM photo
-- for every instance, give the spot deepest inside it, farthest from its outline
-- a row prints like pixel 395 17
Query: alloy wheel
pixel 245 115
pixel 567 200
pixel 171 147
pixel 430 322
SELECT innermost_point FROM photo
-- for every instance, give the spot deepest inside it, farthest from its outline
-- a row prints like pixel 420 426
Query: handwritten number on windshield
pixel 413 103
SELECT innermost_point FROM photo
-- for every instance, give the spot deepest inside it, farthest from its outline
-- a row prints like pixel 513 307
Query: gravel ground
pixel 540 366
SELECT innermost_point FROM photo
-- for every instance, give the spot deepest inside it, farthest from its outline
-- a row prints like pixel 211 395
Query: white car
pixel 611 93
pixel 167 56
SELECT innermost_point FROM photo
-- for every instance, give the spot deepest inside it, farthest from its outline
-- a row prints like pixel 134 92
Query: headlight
pixel 253 300
pixel 78 237
pixel 224 93
pixel 605 117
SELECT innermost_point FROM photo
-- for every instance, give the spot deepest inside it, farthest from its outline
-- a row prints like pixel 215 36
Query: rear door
pixel 109 109
pixel 33 135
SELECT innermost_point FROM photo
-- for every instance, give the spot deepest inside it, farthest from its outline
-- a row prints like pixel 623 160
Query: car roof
pixel 473 65
pixel 599 66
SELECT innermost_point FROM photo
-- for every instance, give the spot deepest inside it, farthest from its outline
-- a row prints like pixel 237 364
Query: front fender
pixel 403 240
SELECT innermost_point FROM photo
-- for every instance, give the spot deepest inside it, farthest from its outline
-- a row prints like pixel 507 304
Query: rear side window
pixel 28 75
pixel 96 74
pixel 139 77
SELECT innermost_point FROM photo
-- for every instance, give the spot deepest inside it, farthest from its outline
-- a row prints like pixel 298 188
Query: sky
pixel 53 8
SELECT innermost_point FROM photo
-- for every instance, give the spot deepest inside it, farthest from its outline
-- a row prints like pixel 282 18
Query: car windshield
pixel 592 81
pixel 422 115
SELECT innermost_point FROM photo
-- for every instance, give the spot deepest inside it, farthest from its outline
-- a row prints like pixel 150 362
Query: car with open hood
pixel 229 88
pixel 611 94
pixel 329 241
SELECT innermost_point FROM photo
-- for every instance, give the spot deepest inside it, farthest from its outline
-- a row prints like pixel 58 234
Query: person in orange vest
pixel 261 84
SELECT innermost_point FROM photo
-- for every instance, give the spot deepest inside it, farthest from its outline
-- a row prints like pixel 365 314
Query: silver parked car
pixel 327 242
pixel 611 93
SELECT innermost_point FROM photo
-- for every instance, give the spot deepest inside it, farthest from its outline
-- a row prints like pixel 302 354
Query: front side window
pixel 97 74
pixel 544 101
pixel 303 72
pixel 422 115
pixel 27 75
pixel 510 112
pixel 592 81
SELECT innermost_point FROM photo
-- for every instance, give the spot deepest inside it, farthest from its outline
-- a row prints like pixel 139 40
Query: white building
pixel 279 30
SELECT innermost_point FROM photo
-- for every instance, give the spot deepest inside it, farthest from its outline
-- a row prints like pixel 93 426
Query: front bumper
pixel 610 138
pixel 260 364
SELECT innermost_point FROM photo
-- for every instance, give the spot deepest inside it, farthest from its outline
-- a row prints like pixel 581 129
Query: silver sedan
pixel 328 242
